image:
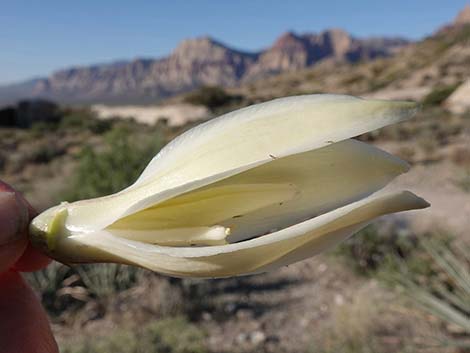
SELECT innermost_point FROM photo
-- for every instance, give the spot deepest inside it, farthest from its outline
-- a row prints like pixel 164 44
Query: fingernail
pixel 13 218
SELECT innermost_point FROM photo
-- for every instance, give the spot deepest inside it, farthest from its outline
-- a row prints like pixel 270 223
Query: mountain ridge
pixel 196 62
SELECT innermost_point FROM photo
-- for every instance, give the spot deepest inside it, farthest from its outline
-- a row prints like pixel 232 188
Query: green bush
pixel 370 249
pixel 39 128
pixel 439 95
pixel 211 96
pixel 84 120
pixel 44 153
pixel 174 335
pixel 121 341
pixel 115 167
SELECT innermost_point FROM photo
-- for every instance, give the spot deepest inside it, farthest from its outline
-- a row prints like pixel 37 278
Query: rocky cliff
pixel 196 62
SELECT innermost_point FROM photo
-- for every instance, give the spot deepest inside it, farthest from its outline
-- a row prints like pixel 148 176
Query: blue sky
pixel 38 37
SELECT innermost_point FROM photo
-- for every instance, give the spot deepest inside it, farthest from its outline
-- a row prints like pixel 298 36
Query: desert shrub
pixel 352 328
pixel 429 270
pixel 75 119
pixel 113 168
pixel 444 290
pixel 211 96
pixel 43 153
pixel 466 115
pixel 461 156
pixel 3 161
pixel 463 180
pixel 71 120
pixel 370 249
pixel 196 296
pixel 103 281
pixel 382 251
pixel 121 341
pixel 175 335
pixel 84 120
pixel 66 289
pixel 407 153
pixel 51 285
pixel 353 78
pixel 428 145
pixel 368 322
pixel 41 127
pixel 438 95
pixel 433 125
pixel 172 335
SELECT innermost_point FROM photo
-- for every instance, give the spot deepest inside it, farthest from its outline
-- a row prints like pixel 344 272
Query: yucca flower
pixel 250 191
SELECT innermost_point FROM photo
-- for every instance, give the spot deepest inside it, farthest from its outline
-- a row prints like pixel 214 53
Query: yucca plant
pixel 104 280
pixel 445 293
pixel 54 284
pixel 49 279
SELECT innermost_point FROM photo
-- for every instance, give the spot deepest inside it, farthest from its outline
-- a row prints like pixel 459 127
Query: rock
pixel 459 101
pixel 241 338
pixel 463 16
pixel 462 19
pixel 244 314
pixel 322 268
pixel 257 337
pixel 339 299
pixel 293 52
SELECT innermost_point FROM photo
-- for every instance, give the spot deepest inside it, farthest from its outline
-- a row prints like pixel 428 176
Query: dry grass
pixel 374 320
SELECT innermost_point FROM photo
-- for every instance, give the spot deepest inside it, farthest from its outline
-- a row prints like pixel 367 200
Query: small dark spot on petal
pixel 272 156
pixel 238 216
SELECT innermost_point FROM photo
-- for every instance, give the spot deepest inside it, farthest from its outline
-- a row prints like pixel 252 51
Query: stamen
pixel 215 235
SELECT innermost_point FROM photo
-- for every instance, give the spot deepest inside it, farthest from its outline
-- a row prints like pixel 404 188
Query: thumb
pixel 15 250
pixel 23 323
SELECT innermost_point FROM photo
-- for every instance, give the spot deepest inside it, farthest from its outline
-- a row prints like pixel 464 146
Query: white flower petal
pixel 266 252
pixel 326 179
pixel 274 129
pixel 209 205
pixel 239 141
pixel 289 190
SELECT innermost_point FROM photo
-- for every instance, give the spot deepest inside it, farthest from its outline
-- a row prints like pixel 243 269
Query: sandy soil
pixel 450 205
pixel 175 114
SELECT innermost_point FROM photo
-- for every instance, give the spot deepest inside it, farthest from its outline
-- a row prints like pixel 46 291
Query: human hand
pixel 24 327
